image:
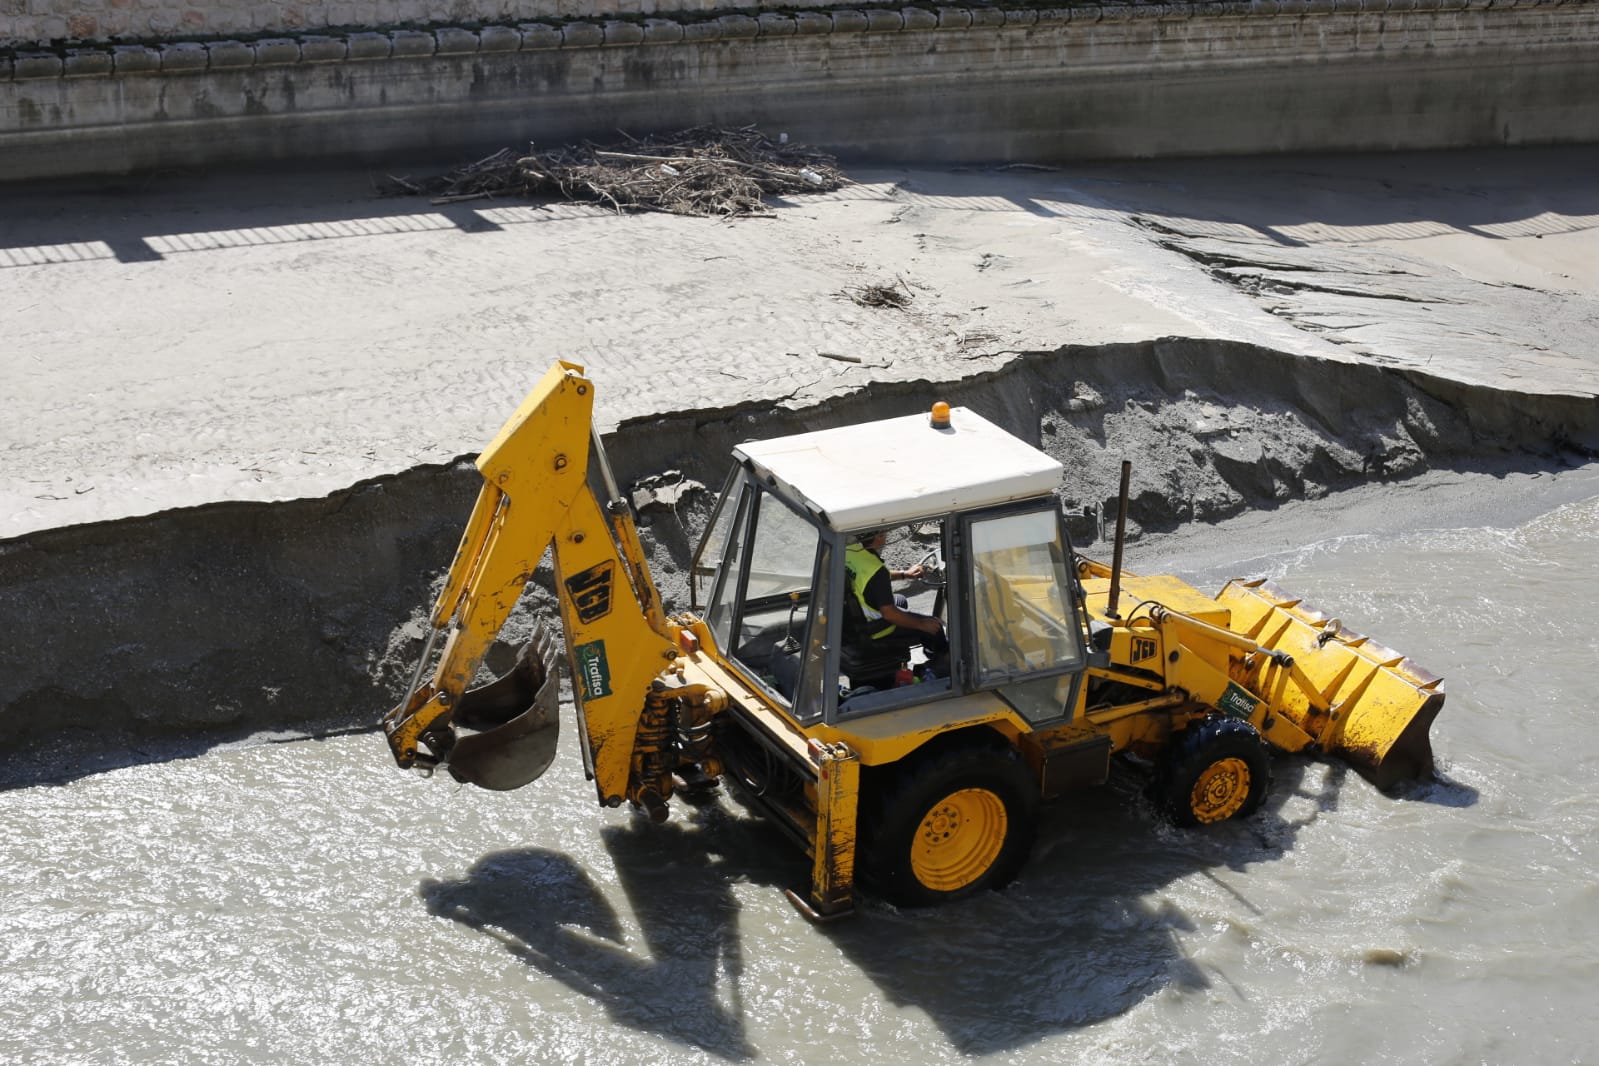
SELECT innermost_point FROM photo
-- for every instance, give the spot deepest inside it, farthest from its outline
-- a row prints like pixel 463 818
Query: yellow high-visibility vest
pixel 860 565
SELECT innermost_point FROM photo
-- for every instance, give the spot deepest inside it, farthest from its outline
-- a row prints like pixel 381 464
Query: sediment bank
pixel 237 479
pixel 203 622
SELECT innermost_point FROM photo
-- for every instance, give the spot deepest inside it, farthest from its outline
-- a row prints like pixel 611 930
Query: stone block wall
pixel 37 22
pixel 950 83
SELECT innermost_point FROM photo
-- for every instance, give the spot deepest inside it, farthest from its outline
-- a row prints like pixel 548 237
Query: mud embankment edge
pixel 181 629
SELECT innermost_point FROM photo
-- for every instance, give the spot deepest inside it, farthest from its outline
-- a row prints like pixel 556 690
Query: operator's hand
pixel 914 572
pixel 931 625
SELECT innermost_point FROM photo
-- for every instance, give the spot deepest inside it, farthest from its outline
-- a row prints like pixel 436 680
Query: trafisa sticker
pixel 593 669
pixel 1237 701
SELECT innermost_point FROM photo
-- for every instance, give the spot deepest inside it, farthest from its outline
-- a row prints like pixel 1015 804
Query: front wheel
pixel 950 825
pixel 1215 770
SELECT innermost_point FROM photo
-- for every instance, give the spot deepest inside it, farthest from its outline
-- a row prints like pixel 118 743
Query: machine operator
pixel 888 621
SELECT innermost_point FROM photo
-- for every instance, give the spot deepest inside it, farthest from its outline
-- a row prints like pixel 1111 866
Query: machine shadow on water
pixel 685 982
pixel 1083 935
pixel 1080 937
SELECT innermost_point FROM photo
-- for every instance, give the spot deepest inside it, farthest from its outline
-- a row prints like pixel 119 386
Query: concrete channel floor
pixel 180 339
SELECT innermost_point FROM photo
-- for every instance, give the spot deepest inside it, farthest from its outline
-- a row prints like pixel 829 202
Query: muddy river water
pixel 304 902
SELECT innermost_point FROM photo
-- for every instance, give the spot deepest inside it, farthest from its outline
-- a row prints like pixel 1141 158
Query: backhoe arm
pixel 536 494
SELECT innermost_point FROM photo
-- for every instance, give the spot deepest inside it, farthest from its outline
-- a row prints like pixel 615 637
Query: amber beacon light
pixel 939 419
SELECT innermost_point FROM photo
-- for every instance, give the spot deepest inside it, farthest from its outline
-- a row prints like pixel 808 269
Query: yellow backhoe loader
pixel 918 773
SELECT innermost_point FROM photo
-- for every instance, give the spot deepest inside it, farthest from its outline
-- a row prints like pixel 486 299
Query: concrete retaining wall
pixel 80 21
pixel 954 84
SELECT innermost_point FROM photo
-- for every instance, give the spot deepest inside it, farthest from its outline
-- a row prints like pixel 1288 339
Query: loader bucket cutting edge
pixel 514 722
pixel 1409 756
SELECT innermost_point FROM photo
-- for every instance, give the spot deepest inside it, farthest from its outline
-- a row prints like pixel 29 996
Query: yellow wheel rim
pixel 959 839
pixel 1221 790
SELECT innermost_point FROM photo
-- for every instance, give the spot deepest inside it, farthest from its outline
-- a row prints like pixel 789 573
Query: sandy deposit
pixel 189 339
pixel 190 349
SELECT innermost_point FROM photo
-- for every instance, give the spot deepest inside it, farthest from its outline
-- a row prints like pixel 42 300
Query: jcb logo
pixel 591 591
pixel 1143 648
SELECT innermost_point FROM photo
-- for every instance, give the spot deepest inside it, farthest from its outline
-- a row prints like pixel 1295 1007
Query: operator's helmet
pixel 866 536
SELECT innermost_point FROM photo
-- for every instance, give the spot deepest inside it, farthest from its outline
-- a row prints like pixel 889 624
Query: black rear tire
pixel 1214 770
pixel 948 825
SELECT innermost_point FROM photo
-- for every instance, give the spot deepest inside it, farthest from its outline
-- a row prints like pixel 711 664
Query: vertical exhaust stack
pixel 1111 607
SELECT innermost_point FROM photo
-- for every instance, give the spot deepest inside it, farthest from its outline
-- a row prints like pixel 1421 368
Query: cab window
pixel 766 604
pixel 708 556
pixel 1026 640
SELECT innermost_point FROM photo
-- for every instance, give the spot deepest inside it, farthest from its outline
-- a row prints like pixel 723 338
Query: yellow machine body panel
pixel 882 739
pixel 878 739
pixel 1173 592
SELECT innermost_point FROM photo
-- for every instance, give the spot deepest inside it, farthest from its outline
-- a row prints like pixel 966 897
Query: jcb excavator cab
pixel 939 760
pixel 977 502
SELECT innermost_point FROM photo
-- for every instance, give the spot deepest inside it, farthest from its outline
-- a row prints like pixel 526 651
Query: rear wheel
pixel 1216 769
pixel 949 825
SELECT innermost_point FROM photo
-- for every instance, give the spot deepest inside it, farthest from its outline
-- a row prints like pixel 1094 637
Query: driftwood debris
pixel 704 171
pixel 897 295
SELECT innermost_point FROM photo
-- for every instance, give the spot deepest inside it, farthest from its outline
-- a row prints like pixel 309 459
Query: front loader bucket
pixel 506 730
pixel 1407 754
pixel 1356 699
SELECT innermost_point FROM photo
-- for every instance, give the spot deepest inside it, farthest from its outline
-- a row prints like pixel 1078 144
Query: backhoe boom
pixel 536 496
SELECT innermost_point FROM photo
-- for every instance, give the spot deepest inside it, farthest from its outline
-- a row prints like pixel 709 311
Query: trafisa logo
pixel 593 669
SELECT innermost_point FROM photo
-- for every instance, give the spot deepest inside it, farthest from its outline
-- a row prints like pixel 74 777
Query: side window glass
pixel 1040 699
pixel 709 554
pixel 724 594
pixel 810 700
pixel 1022 619
pixel 777 603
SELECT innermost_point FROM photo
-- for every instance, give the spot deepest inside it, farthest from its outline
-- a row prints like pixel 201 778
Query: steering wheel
pixel 932 565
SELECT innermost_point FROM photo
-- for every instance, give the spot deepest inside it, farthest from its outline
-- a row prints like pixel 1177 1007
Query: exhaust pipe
pixel 1111 604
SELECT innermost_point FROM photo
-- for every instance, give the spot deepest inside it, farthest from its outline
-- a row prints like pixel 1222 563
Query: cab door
pixel 772 593
pixel 1023 635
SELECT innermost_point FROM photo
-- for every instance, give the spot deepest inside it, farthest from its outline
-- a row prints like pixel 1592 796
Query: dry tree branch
pixel 704 171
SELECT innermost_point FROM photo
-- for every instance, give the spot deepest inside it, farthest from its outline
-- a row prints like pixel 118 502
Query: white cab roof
pixel 902 469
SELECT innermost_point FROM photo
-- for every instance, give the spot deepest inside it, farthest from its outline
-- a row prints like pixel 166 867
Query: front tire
pixel 948 826
pixel 1216 769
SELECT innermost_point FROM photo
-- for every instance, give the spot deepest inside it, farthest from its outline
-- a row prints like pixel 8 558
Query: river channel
pixel 301 901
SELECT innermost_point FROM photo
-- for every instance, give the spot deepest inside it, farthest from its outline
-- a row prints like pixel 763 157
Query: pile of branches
pixel 897 295
pixel 704 171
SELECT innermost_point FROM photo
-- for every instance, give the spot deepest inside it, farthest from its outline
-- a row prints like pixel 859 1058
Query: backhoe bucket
pixel 507 730
pixel 1358 700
